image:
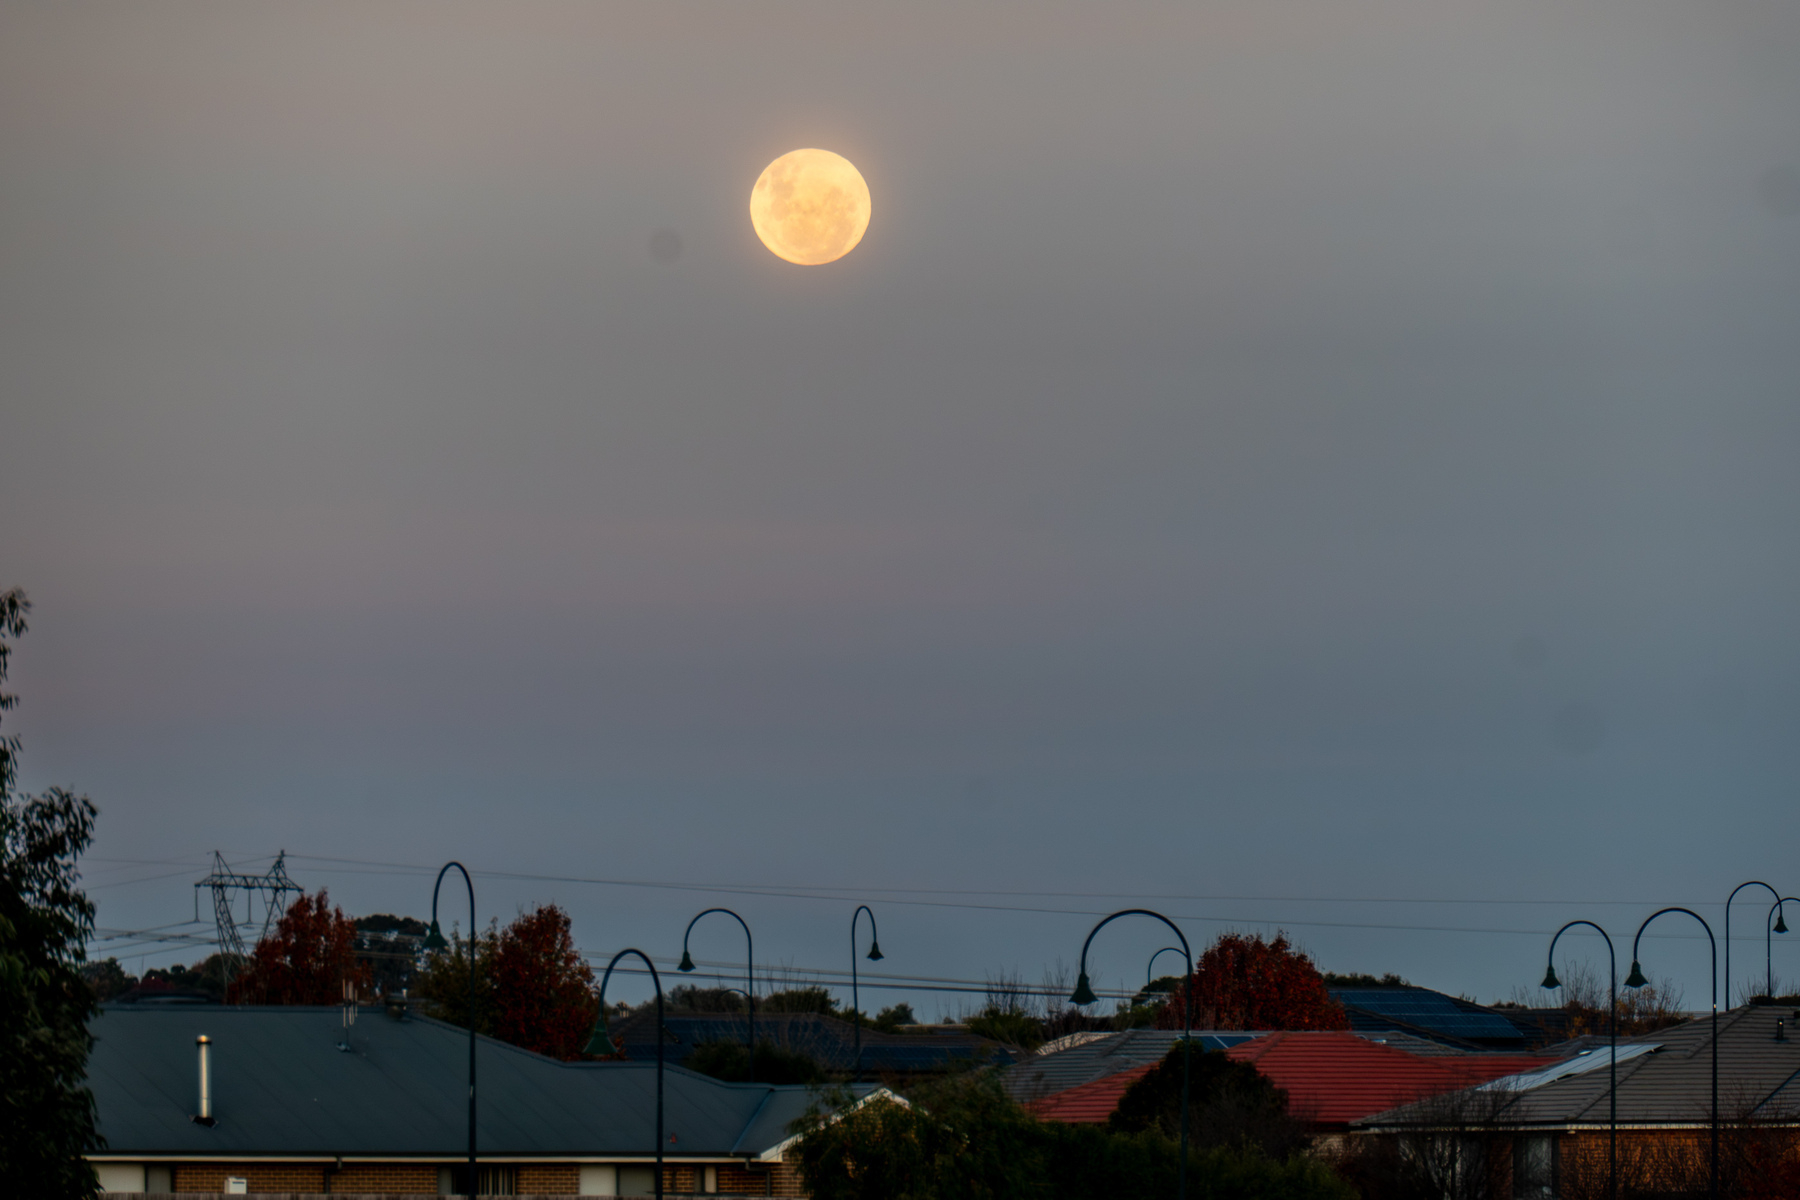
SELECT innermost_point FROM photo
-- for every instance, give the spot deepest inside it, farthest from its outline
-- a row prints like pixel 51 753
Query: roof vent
pixel 205 1115
pixel 1780 1030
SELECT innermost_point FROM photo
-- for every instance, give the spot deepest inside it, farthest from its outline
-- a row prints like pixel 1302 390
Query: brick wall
pixel 261 1177
pixel 364 1178
pixel 416 1179
pixel 546 1179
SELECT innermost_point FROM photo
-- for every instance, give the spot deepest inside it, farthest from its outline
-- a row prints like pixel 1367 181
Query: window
pixel 637 1181
pixel 489 1181
pixel 1534 1168
pixel 709 1180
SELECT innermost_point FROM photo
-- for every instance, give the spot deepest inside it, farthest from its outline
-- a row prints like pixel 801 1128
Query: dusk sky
pixel 1322 466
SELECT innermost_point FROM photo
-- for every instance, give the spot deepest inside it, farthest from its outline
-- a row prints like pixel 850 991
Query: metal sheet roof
pixel 830 1041
pixel 281 1086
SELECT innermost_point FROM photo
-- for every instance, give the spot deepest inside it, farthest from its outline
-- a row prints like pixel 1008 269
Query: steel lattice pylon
pixel 223 881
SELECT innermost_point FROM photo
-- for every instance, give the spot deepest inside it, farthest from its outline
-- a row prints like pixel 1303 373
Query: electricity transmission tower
pixel 223 881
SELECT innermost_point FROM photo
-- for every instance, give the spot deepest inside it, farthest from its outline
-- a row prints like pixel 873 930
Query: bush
pixel 962 1137
pixel 1230 1104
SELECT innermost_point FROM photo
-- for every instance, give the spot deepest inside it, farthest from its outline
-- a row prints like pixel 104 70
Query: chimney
pixel 205 1115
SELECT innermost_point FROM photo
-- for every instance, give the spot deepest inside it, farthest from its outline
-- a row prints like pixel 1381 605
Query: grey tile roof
pixel 282 1087
pixel 1673 1084
pixel 1047 1074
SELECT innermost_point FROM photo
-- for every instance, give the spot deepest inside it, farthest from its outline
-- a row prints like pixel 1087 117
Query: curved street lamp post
pixel 434 941
pixel 687 964
pixel 1150 970
pixel 1612 1066
pixel 1084 995
pixel 855 998
pixel 1734 891
pixel 600 1044
pixel 1636 980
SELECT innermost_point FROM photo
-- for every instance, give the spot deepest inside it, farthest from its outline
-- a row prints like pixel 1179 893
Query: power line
pixel 770 892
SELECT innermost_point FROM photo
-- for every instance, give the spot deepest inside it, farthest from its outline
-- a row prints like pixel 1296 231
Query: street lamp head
pixel 874 950
pixel 1780 924
pixel 687 961
pixel 434 940
pixel 600 1043
pixel 1550 979
pixel 1636 978
pixel 1084 993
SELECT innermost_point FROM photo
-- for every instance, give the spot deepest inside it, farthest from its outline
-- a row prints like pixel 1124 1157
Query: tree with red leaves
pixel 543 990
pixel 305 961
pixel 1243 982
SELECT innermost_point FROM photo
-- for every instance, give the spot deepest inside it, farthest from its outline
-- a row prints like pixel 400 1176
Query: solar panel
pixel 1428 1010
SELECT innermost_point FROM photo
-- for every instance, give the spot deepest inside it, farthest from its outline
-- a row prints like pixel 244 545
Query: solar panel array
pixel 1431 1010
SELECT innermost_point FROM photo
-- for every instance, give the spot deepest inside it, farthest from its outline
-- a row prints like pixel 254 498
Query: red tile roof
pixel 1088 1103
pixel 1331 1078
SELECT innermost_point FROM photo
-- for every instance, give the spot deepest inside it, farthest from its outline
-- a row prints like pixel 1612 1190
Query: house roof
pixel 829 1041
pixel 1665 1078
pixel 1423 1012
pixel 282 1087
pixel 1082 1060
pixel 1331 1078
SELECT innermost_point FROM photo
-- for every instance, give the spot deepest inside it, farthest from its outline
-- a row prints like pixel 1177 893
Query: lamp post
pixel 1636 980
pixel 1612 1066
pixel 687 964
pixel 1734 891
pixel 1150 971
pixel 855 996
pixel 1084 995
pixel 1779 926
pixel 600 1042
pixel 434 941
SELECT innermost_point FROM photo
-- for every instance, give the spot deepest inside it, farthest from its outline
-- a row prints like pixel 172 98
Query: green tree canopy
pixel 46 1113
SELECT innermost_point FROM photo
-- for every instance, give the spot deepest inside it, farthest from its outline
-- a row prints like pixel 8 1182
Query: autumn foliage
pixel 1244 982
pixel 543 990
pixel 305 961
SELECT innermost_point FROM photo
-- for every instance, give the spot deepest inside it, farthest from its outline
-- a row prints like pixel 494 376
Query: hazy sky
pixel 1331 465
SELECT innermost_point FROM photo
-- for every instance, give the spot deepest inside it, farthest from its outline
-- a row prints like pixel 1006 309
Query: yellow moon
pixel 810 207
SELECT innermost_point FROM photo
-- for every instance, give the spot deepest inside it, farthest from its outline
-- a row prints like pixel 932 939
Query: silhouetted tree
pixel 813 999
pixel 305 961
pixel 442 980
pixel 1244 982
pixel 107 978
pixel 46 1113
pixel 543 989
pixel 1229 1104
pixel 730 1061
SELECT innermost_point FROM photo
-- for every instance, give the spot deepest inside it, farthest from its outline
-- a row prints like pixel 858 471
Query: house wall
pixel 262 1177
pixel 532 1179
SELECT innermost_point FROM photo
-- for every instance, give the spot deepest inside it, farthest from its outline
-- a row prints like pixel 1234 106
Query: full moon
pixel 810 207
